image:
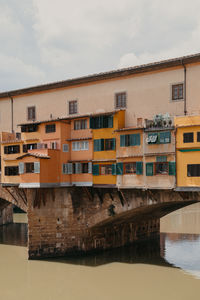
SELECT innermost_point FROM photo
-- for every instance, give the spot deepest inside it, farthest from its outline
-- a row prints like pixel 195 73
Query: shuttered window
pixel 113 169
pixel 172 168
pixel 101 122
pixel 21 168
pixel 65 147
pixel 120 100
pixel 139 167
pixel 119 168
pixel 36 167
pixel 95 170
pixel 31 113
pixel 50 128
pixel 130 140
pixel 73 107
pixel 149 169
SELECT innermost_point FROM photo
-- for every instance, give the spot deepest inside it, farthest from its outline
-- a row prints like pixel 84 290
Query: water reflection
pixel 175 250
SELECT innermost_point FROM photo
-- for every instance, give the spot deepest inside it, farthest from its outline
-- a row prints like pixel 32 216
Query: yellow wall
pixel 183 159
pixel 187 124
pixel 104 179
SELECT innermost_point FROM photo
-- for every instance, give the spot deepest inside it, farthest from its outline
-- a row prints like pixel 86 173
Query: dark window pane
pixel 50 128
pixel 188 137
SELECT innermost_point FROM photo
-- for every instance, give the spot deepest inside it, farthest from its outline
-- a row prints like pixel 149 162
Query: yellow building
pixel 104 141
pixel 188 152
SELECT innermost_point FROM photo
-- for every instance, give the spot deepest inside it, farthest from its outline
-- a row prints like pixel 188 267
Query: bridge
pixel 73 220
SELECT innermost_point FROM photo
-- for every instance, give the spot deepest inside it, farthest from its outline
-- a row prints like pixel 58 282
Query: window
pixel 120 100
pixel 106 169
pixel 11 149
pixel 27 147
pixel 73 109
pixel 84 167
pixel 188 137
pixel 12 171
pixel 164 168
pixel 29 167
pixel 109 144
pixel 130 140
pixel 80 124
pixel 65 147
pixel 50 128
pixel 161 168
pixel 130 168
pixel 101 122
pixel 193 170
pixel 101 144
pixel 77 146
pixel 29 128
pixel 198 136
pixel 177 91
pixel 31 115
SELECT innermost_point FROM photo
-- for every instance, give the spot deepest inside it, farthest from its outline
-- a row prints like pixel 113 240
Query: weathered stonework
pixel 67 221
pixel 6 212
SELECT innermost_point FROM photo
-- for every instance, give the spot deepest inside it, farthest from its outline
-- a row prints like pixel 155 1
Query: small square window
pixel 31 113
pixel 198 136
pixel 188 137
pixel 120 100
pixel 177 91
pixel 73 108
pixel 50 128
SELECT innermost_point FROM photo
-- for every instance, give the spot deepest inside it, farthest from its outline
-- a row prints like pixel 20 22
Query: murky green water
pixel 166 268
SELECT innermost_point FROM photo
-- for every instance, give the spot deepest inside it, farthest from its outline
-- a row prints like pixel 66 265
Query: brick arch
pixel 135 206
pixel 15 196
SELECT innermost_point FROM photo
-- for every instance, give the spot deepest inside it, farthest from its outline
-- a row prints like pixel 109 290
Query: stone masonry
pixel 66 221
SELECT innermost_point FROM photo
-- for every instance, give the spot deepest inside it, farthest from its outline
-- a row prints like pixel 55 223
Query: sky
pixel 44 41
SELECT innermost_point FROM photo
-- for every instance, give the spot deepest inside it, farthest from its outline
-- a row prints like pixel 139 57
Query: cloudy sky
pixel 50 40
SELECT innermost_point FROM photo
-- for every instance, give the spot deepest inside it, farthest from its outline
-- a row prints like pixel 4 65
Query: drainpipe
pixel 11 99
pixel 184 91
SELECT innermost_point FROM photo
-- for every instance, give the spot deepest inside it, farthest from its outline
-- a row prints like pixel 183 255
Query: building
pixel 188 153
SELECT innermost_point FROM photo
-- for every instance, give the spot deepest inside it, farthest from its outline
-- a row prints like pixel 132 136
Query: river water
pixel 165 268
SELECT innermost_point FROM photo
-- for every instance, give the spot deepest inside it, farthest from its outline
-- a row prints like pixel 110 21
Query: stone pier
pixel 6 212
pixel 65 221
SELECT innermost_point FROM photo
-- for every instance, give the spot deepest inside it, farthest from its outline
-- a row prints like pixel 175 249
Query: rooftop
pixel 174 62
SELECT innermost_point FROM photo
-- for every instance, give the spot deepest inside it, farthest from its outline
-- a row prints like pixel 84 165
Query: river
pixel 165 268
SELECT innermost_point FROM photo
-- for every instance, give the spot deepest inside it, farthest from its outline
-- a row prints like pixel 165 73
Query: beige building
pixel 168 86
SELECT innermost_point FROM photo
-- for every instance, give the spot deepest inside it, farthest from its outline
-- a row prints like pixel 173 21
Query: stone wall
pixel 6 213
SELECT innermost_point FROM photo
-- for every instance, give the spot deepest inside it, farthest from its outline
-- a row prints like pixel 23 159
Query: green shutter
pixel 119 168
pixel 132 140
pixel 92 122
pixel 101 144
pixel 110 122
pixel 113 169
pixel 113 144
pixel 101 122
pixel 172 168
pixel 122 140
pixel 139 167
pixel 95 170
pixel 96 145
pixel 149 169
pixel 137 139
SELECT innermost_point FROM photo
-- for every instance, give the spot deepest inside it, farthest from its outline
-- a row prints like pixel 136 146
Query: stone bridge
pixel 65 221
pixel 8 197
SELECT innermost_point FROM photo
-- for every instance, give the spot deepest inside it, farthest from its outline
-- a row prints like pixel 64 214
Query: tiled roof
pixel 37 155
pixel 174 62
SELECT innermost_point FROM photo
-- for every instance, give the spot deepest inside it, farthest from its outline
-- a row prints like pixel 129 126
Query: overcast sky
pixel 50 40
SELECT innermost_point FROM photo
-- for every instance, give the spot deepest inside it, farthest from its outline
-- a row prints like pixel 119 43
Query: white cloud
pixel 62 39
